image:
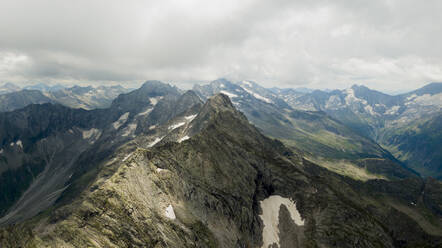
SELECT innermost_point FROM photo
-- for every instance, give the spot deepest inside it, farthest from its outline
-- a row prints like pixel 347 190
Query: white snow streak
pixel 155 141
pixel 257 96
pixel 174 126
pixel 183 139
pixel 190 117
pixel 247 83
pixel 145 112
pixel 228 94
pixel 127 157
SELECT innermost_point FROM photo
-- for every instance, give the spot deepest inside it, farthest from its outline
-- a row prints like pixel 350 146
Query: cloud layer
pixel 384 44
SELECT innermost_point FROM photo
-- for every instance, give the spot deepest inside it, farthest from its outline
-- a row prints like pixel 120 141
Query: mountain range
pixel 13 97
pixel 223 165
pixel 402 124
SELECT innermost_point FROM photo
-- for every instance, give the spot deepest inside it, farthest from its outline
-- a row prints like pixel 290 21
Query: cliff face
pixel 226 185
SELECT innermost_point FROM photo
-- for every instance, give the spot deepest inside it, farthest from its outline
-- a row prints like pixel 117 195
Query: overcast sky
pixel 388 45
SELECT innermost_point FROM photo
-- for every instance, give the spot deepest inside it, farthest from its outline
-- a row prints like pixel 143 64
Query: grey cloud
pixel 385 44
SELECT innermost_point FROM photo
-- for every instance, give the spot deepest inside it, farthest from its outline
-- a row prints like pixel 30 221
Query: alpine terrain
pixel 407 125
pixel 222 165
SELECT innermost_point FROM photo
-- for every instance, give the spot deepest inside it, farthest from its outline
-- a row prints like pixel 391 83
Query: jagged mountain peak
pixel 10 86
pixel 220 101
pixel 157 88
pixel 363 90
pixel 186 100
pixel 216 105
pixel 190 94
pixel 149 93
pixel 220 81
pixel 359 86
pixel 152 83
pixel 371 97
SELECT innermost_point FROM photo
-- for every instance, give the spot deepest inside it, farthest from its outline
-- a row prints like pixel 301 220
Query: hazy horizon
pixel 189 86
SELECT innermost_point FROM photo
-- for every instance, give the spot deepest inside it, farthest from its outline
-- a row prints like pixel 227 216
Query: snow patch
pixel 351 98
pixel 159 170
pixel 393 110
pixel 177 125
pixel 19 143
pixel 247 83
pixel 334 101
pixel 228 94
pixel 411 97
pixel 190 117
pixel 127 157
pixel 270 217
pixel 257 96
pixel 155 141
pixel 370 110
pixel 93 132
pixel 129 130
pixel 429 100
pixel 170 213
pixel 1 151
pixel 145 112
pixel 154 100
pixel 123 118
pixel 183 139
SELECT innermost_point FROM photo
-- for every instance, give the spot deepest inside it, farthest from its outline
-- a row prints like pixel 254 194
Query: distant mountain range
pixel 12 97
pixel 8 88
pixel 223 165
pixel 386 119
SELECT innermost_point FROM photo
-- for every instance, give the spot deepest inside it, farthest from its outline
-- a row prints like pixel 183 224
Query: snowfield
pixel 270 217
